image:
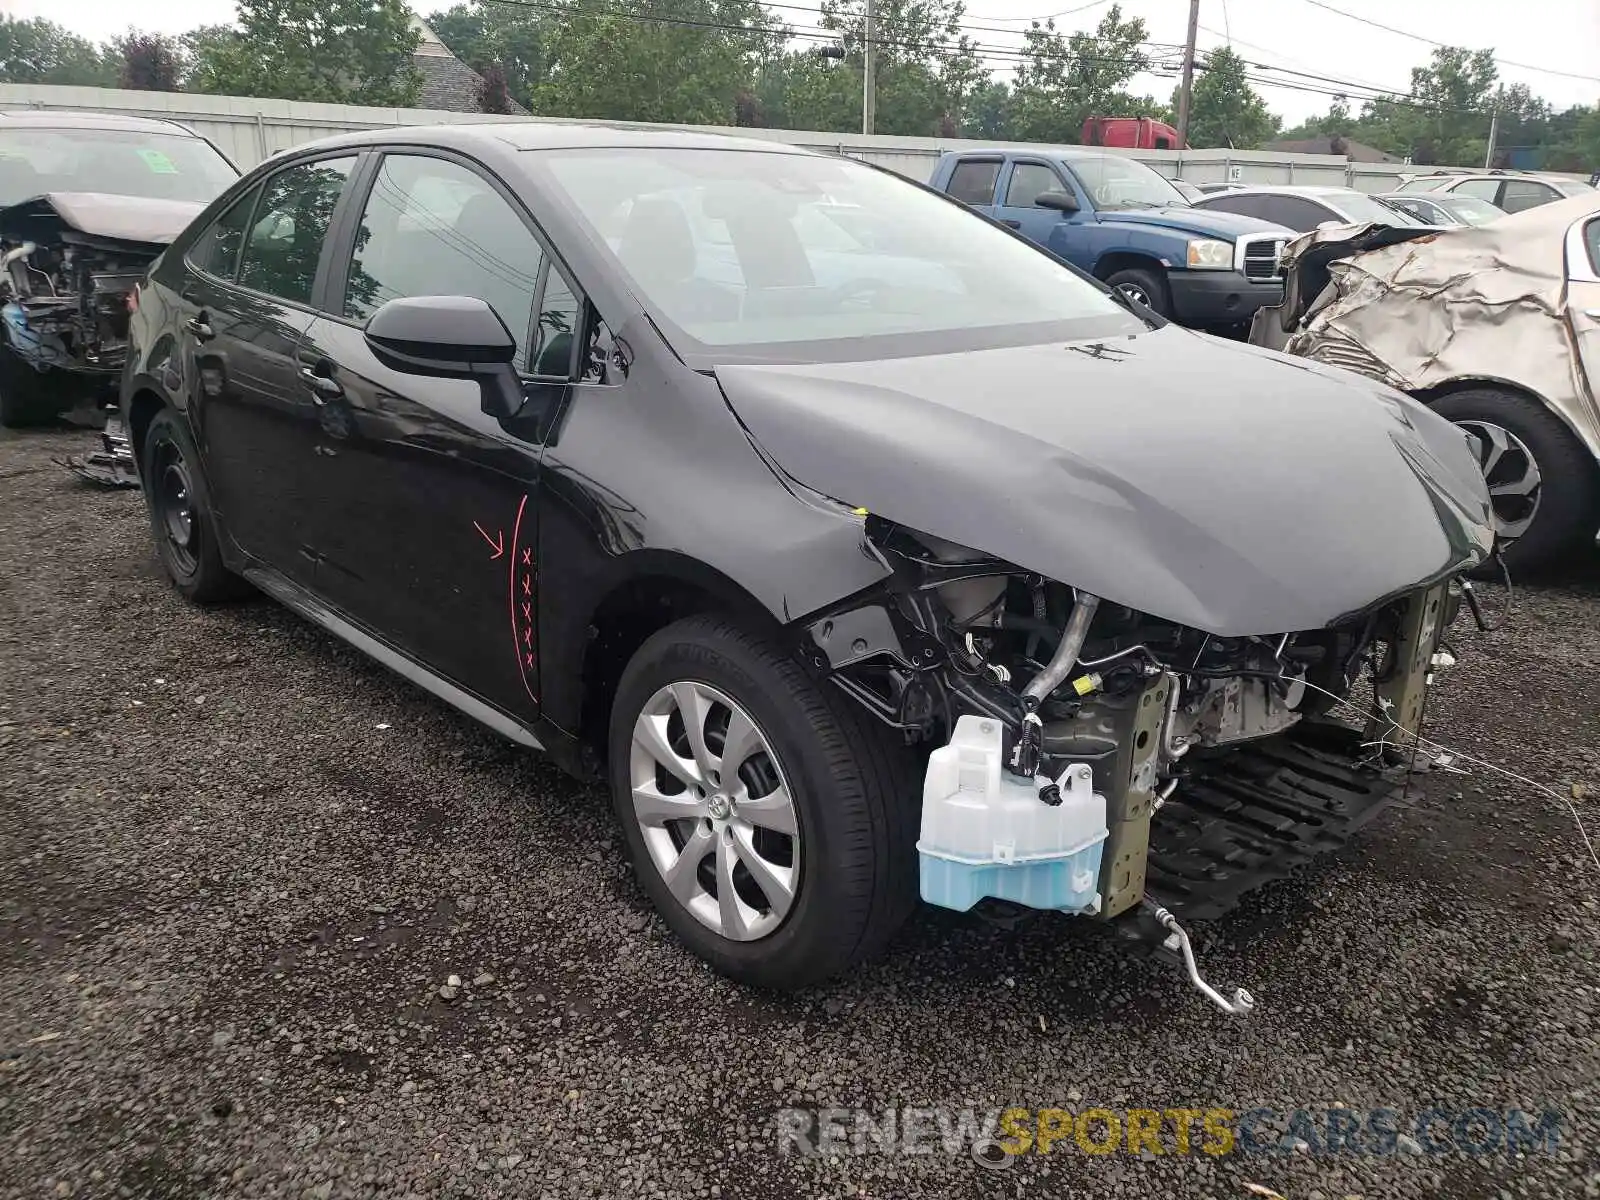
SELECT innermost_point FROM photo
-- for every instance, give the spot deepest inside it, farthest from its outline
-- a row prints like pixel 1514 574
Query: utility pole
pixel 869 71
pixel 1188 74
pixel 1494 129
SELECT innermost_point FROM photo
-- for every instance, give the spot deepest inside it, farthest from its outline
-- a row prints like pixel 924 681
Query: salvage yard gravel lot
pixel 238 862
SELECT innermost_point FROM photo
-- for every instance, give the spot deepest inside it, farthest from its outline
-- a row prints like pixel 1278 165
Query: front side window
pixel 284 244
pixel 972 182
pixel 1244 206
pixel 558 325
pixel 1591 241
pixel 431 227
pixel 1028 182
pixel 758 249
pixel 1114 182
pixel 216 251
pixel 158 166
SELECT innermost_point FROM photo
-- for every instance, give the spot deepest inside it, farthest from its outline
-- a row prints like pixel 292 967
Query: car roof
pixel 1291 189
pixel 555 135
pixel 45 118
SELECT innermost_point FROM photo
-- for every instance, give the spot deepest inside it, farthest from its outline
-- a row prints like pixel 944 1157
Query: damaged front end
pixel 70 267
pixel 1098 760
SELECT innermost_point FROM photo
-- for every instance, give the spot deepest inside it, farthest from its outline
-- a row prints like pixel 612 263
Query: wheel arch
pixel 657 588
pixel 1112 261
pixel 143 407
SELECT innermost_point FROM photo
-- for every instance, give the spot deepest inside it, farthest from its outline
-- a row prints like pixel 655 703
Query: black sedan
pixel 849 536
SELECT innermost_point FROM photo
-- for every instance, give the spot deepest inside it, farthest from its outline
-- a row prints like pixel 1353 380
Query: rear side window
pixel 216 251
pixel 1483 189
pixel 284 243
pixel 1522 194
pixel 1028 182
pixel 972 182
pixel 431 227
pixel 1245 206
pixel 1591 239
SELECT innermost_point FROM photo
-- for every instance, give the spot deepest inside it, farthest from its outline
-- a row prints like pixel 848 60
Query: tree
pixel 512 35
pixel 492 94
pixel 926 69
pixel 1224 110
pixel 663 60
pixel 334 51
pixel 1064 79
pixel 40 51
pixel 150 62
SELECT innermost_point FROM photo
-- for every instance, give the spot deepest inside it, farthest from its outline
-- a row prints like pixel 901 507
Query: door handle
pixel 200 327
pixel 1010 224
pixel 323 387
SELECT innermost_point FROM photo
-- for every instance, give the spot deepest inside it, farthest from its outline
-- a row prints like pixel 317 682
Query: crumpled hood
pixel 101 215
pixel 1204 222
pixel 1206 482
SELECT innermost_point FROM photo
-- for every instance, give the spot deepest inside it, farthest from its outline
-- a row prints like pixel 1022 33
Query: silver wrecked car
pixel 1495 327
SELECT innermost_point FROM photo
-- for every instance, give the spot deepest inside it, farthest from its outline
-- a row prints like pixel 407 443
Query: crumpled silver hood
pixel 1207 482
pixel 120 218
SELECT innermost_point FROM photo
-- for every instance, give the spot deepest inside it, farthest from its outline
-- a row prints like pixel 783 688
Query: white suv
pixel 1512 192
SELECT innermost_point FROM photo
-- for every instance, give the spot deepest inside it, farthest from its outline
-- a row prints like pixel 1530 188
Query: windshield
pixel 1113 182
pixel 115 161
pixel 750 249
pixel 1470 209
pixel 1360 207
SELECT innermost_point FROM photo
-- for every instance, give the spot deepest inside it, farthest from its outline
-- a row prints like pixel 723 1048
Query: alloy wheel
pixel 1512 473
pixel 715 810
pixel 1134 292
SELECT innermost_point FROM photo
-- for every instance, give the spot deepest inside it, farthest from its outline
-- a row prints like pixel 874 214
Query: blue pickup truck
pixel 1127 226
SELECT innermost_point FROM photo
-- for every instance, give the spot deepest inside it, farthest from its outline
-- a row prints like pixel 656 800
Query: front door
pixel 434 504
pixel 245 315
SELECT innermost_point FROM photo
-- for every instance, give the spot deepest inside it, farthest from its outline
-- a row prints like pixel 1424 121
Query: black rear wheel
pixel 180 514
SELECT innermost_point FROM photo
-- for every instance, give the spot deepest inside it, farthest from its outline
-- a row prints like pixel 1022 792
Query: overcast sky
pixel 1558 35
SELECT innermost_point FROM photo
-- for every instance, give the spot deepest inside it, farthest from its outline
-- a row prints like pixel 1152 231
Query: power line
pixel 1417 37
pixel 1376 87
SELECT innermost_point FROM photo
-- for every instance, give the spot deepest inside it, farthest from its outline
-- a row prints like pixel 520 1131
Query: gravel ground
pixel 238 862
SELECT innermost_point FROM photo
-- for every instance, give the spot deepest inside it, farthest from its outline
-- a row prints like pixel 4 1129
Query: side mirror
pixel 1064 202
pixel 450 337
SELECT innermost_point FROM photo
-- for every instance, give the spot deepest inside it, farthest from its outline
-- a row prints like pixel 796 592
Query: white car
pixel 1496 327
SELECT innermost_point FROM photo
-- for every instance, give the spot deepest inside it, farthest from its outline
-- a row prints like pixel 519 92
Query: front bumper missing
pixel 111 466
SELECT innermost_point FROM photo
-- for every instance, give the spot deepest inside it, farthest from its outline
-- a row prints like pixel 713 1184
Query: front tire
pixel 24 395
pixel 1145 286
pixel 1543 482
pixel 180 514
pixel 771 827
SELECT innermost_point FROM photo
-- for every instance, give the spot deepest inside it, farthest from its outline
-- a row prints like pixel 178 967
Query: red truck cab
pixel 1133 133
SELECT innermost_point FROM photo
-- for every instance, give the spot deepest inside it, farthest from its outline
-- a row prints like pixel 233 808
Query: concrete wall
pixel 250 129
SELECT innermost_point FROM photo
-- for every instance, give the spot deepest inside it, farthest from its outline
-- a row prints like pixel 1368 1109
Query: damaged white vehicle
pixel 1495 327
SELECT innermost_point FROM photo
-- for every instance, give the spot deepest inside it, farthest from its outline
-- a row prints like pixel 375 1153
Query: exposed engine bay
pixel 68 264
pixel 1215 763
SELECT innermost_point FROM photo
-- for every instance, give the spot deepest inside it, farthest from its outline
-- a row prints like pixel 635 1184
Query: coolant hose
pixel 1066 655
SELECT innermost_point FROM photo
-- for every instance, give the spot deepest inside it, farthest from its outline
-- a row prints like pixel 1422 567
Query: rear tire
pixel 180 514
pixel 1145 286
pixel 852 789
pixel 1564 510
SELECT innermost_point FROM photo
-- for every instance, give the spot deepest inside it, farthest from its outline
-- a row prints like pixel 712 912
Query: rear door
pixel 973 180
pixel 246 304
pixel 437 502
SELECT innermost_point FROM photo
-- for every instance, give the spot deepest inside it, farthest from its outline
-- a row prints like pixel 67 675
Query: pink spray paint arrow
pixel 497 542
